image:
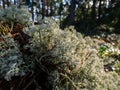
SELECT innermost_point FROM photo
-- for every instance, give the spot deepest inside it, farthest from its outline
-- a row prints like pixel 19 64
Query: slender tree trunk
pixel 19 3
pixel 46 7
pixel 72 11
pixel 39 6
pixel 94 10
pixel 14 2
pixel 8 3
pixel 3 4
pixel 60 12
pixel 32 10
pixel 43 9
pixel 99 10
pixel 51 10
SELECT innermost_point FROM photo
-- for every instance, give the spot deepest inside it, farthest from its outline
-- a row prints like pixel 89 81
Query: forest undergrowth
pixel 44 57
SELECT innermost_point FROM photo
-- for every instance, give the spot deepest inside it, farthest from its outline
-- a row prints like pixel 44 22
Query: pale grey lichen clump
pixel 78 66
pixel 70 60
pixel 13 15
pixel 10 58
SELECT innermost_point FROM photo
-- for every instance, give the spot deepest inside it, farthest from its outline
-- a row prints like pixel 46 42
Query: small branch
pixel 30 82
pixel 71 81
pixel 12 24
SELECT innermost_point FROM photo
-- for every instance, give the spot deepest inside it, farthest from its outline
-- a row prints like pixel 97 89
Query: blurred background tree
pixel 86 15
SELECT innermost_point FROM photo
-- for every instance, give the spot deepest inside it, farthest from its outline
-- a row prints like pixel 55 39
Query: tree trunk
pixel 47 4
pixel 3 4
pixel 94 10
pixel 19 3
pixel 72 11
pixel 99 10
pixel 51 8
pixel 43 9
pixel 32 10
pixel 8 3
pixel 14 2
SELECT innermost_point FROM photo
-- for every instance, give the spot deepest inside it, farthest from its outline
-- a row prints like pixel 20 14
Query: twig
pixel 30 82
pixel 73 84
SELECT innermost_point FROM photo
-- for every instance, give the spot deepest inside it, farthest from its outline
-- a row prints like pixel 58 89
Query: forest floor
pixel 38 80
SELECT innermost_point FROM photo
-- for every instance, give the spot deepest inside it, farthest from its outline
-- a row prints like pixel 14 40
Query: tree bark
pixel 72 11
pixel 43 9
pixel 94 10
pixel 19 3
pixel 8 3
pixel 99 10
pixel 3 4
pixel 51 8
pixel 32 11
